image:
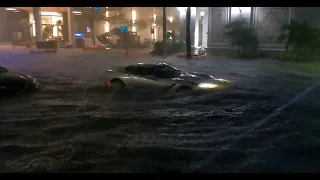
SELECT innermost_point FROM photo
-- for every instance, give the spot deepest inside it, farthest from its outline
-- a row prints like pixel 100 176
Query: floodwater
pixel 68 128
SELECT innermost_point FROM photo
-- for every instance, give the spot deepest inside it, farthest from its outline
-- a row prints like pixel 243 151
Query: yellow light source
pixel 171 19
pixel 134 15
pixel 107 23
pixel 11 9
pixel 44 13
pixel 54 20
pixel 134 29
pixel 207 85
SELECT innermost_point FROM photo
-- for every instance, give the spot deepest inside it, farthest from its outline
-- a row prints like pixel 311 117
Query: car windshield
pixel 166 71
pixel 171 68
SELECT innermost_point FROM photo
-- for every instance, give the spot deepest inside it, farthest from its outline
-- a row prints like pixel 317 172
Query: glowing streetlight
pixel 11 9
pixel 134 17
pixel 107 23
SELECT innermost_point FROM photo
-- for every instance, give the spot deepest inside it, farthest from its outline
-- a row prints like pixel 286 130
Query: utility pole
pixel 164 32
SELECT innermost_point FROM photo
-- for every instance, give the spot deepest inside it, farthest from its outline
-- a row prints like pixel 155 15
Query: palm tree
pixel 299 37
pixel 241 35
pixel 188 35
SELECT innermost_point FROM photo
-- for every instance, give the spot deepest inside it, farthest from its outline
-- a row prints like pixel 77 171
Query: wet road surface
pixel 65 128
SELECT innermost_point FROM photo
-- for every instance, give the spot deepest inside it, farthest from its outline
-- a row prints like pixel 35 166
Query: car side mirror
pixel 152 77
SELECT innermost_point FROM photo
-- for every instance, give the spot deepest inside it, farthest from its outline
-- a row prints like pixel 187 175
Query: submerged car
pixel 160 76
pixel 14 83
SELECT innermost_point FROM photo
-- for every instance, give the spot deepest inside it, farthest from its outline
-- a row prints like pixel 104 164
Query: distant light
pixel 107 23
pixel 134 29
pixel 134 15
pixel 76 12
pixel 202 13
pixel 171 19
pixel 182 8
pixel 50 13
pixel 11 9
pixel 96 8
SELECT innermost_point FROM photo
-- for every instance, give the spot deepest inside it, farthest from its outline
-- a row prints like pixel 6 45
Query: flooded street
pixel 66 128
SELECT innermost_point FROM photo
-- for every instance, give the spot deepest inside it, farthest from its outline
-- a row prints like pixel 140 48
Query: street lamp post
pixel 164 32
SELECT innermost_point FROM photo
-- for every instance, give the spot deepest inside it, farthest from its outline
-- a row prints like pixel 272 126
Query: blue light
pixel 96 8
pixel 79 34
pixel 152 76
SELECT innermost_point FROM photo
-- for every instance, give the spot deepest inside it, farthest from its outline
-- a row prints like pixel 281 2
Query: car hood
pixel 15 76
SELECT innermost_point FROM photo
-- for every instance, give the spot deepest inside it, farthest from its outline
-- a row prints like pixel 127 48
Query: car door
pixel 134 76
pixel 146 81
pixel 161 77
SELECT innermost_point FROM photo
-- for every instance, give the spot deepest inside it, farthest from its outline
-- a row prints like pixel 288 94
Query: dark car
pixel 15 83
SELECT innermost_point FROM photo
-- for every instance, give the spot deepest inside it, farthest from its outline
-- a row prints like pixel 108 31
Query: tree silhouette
pixel 241 35
pixel 300 37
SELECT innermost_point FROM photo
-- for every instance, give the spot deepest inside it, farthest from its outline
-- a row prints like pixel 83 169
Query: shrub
pixel 173 47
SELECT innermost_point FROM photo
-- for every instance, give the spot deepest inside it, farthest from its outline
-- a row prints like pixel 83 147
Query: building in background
pixel 63 25
pixel 57 20
pixel 207 24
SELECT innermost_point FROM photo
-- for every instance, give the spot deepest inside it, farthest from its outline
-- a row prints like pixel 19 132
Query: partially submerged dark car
pixel 16 83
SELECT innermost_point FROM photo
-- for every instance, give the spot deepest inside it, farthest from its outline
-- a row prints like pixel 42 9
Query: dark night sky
pixel 311 14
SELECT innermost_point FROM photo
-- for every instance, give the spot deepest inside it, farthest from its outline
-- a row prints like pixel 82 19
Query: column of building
pixel 70 25
pixel 37 21
pixel 196 31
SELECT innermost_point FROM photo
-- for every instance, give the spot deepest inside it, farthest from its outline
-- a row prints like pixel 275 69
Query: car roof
pixel 146 64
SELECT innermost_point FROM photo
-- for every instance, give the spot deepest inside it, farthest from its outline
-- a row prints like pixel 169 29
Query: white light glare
pixel 171 19
pixel 49 14
pixel 134 15
pixel 207 85
pixel 11 9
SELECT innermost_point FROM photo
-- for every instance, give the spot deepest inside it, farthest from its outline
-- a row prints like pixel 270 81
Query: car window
pixel 144 71
pixel 163 71
pixel 160 72
pixel 133 70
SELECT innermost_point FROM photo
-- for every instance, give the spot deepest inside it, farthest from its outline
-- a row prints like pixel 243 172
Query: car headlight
pixel 207 85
